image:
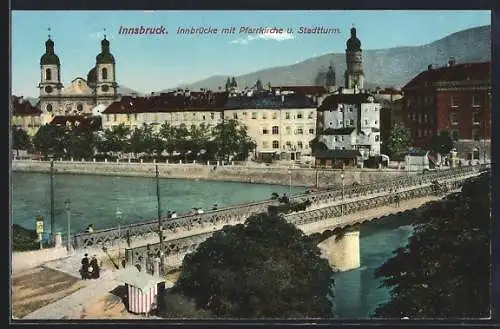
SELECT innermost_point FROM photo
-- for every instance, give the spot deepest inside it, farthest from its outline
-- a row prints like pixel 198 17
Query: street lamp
pixel 290 182
pixel 119 219
pixel 342 207
pixel 67 204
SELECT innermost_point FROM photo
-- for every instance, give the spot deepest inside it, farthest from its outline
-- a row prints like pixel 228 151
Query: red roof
pixel 308 90
pixel 22 107
pixel 457 72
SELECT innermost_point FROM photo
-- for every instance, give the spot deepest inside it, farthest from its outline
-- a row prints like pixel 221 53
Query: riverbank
pixel 230 173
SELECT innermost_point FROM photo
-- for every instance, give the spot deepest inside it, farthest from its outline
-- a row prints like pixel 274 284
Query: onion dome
pixel 105 57
pixel 49 58
pixel 353 44
pixel 92 77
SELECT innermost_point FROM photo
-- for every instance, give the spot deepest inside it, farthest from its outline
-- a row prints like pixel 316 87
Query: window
pixel 336 138
pixel 419 134
pixel 475 118
pixel 212 116
pixel 244 113
pixel 425 132
pixel 299 115
pixel 235 116
pixel 454 101
pixel 128 117
pixel 453 119
pixel 476 135
pixel 194 115
pixel 425 118
pixel 330 123
pixel 311 115
pixel 49 107
pixel 288 130
pixel 476 101
pixel 339 122
pixel 300 131
pixel 288 144
pixel 104 73
pixel 135 116
pixel 265 131
pixel 350 109
pixel 276 145
pixel 341 138
pixel 420 118
pixel 454 134
pixel 366 122
pixel 107 117
pixel 264 115
pixel 265 144
pixel 275 115
pixel 311 131
pixel 48 74
pixel 275 130
pixel 377 138
pixel 254 115
pixel 287 115
pixel 203 116
pixel 114 117
pixel 376 122
pixel 193 127
pixel 300 145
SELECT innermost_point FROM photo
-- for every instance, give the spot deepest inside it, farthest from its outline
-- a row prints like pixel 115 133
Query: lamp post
pixel 119 219
pixel 67 204
pixel 342 207
pixel 290 182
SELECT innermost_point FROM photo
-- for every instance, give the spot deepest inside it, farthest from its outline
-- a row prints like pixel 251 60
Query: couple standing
pixel 90 268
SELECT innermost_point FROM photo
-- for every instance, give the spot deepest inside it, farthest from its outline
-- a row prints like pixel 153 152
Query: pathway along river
pixel 95 199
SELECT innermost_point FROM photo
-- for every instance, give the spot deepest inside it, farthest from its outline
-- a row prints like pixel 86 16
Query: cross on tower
pixel 48 29
pixel 104 33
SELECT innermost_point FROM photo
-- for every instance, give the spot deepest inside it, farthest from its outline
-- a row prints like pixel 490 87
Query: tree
pixel 232 140
pixel 266 267
pixel 442 143
pixel 52 140
pixel 398 142
pixel 444 271
pixel 143 140
pixel 81 142
pixel 20 140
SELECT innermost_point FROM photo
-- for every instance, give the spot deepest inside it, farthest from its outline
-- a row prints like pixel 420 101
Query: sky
pixel 148 63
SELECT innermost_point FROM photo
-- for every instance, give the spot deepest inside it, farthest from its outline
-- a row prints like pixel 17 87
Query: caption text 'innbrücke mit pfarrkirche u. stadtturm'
pixel 210 30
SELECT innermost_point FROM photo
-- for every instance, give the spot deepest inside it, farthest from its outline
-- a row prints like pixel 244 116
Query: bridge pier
pixel 342 251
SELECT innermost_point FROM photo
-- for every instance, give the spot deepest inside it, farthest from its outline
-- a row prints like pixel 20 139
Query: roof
pixel 337 154
pixel 338 131
pixel 457 72
pixel 141 280
pixel 418 153
pixel 22 107
pixel 307 90
pixel 332 101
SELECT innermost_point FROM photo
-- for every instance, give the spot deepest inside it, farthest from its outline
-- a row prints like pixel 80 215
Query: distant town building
pixel 391 102
pixel 25 116
pixel 454 98
pixel 80 96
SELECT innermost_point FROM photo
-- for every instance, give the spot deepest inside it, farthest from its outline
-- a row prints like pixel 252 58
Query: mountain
pixel 383 67
pixel 125 91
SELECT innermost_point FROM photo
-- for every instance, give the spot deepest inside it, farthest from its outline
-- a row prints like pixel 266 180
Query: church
pixel 82 97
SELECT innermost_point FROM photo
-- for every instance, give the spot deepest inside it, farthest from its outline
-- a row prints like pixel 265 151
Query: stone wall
pixel 264 174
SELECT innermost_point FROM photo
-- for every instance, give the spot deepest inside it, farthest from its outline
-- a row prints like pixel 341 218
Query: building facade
pixel 350 122
pixel 25 116
pixel 81 95
pixel 391 111
pixel 455 98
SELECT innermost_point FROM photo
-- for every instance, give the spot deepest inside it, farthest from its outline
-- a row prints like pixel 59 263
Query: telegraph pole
pixel 160 229
pixel 52 212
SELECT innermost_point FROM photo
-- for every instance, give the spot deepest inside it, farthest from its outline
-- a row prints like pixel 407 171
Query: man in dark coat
pixel 95 268
pixel 84 271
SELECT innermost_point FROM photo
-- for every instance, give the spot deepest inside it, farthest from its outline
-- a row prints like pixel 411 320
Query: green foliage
pixel 24 239
pixel 114 139
pixel 265 268
pixel 52 140
pixel 442 143
pixel 398 142
pixel 232 141
pixel 81 142
pixel 444 271
pixel 20 139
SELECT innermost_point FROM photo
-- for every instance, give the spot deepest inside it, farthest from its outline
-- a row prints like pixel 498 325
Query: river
pixel 95 199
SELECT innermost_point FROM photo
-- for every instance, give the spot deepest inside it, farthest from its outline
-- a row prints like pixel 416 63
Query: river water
pixel 95 199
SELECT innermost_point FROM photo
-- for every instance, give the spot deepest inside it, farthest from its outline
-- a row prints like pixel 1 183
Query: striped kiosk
pixel 143 289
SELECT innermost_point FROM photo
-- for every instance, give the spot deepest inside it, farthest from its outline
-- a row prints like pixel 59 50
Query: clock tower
pixel 50 79
pixel 354 75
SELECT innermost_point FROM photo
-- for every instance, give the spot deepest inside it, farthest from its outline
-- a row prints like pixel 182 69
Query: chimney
pixel 451 62
pixel 429 67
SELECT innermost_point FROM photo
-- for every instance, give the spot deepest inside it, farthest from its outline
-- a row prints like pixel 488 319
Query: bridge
pixel 183 235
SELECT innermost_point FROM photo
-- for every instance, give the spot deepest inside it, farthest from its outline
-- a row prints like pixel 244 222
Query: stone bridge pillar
pixel 342 251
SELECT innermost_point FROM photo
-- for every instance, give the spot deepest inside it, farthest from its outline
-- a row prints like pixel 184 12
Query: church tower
pixel 105 85
pixel 354 75
pixel 50 79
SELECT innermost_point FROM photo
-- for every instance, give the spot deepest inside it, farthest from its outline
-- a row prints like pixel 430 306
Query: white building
pixel 350 122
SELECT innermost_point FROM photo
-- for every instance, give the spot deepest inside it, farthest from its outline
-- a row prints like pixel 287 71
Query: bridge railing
pixel 188 244
pixel 241 212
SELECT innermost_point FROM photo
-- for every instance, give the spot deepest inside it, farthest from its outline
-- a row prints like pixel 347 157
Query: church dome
pixel 92 76
pixel 49 58
pixel 105 57
pixel 353 44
